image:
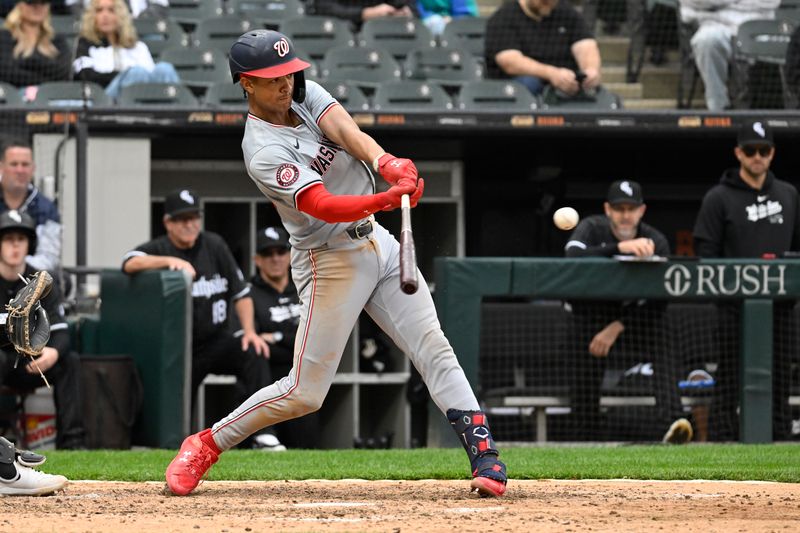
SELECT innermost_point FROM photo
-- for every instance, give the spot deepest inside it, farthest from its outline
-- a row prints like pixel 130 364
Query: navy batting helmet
pixel 268 54
pixel 13 220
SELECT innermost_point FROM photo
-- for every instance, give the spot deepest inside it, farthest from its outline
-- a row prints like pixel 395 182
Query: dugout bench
pixel 463 283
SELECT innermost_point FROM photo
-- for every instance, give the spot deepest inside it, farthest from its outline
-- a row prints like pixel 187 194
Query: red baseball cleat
pixel 487 487
pixel 190 465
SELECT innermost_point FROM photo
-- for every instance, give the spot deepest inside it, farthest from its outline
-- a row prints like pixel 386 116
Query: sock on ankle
pixel 208 439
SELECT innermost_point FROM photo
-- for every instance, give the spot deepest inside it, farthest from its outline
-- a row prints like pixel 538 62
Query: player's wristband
pixel 377 160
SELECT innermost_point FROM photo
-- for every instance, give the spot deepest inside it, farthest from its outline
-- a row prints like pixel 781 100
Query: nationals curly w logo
pixel 282 47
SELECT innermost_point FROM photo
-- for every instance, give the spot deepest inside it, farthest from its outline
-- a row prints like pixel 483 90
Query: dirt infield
pixel 395 506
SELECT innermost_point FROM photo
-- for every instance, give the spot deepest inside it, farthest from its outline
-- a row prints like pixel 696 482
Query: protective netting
pixel 671 361
pixel 655 54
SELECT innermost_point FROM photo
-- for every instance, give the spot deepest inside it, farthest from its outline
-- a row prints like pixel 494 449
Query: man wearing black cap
pixel 606 329
pixel 750 213
pixel 217 282
pixel 58 364
pixel 277 314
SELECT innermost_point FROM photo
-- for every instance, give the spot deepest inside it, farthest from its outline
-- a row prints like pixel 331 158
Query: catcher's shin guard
pixel 488 472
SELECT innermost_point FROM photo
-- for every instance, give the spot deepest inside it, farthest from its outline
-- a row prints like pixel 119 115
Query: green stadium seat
pixel 445 66
pixel 159 35
pixel 71 94
pixel 221 32
pixel 225 94
pixel 411 95
pixel 349 95
pixel 317 34
pixel 504 96
pixel 467 33
pixel 157 95
pixel 198 67
pixel 267 13
pixel 397 35
pixel 9 95
pixel 364 66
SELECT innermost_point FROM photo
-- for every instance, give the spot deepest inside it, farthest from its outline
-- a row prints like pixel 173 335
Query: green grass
pixel 732 462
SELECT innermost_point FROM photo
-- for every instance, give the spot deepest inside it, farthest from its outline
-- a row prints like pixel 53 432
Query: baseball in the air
pixel 565 218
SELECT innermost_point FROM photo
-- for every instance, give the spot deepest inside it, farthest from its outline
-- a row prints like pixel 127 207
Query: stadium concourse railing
pixel 462 283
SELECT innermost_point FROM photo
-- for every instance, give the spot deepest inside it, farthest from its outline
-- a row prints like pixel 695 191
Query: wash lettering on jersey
pixel 285 310
pixel 324 159
pixel 761 210
pixel 208 288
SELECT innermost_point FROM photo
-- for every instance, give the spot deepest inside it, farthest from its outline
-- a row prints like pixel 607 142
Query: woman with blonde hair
pixel 110 52
pixel 30 52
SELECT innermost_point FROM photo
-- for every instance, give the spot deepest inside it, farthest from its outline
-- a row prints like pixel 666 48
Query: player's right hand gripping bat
pixel 408 254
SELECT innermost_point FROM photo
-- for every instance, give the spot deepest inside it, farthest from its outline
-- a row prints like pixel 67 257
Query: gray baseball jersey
pixel 337 275
pixel 284 161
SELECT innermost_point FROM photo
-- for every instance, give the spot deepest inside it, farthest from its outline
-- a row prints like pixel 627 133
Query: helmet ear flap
pixel 299 93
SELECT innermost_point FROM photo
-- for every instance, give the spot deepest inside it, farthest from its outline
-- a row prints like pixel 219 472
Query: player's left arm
pixel 340 127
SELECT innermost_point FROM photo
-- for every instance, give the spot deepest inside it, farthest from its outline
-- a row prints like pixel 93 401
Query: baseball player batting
pixel 306 154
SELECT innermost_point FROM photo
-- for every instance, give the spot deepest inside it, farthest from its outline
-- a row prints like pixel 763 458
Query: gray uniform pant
pixel 335 282
pixel 712 48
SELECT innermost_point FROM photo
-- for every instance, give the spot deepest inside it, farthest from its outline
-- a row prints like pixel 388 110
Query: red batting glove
pixel 394 169
pixel 394 194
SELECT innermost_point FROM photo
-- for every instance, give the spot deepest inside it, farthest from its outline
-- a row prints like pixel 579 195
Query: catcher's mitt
pixel 27 325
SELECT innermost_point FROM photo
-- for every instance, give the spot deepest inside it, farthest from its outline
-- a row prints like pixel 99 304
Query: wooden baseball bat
pixel 408 254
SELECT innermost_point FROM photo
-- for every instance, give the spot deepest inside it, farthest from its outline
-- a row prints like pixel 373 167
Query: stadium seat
pixel 349 95
pixel 9 95
pixel 758 41
pixel 505 96
pixel 189 13
pixel 221 32
pixel 366 67
pixel 66 26
pixel 316 34
pixel 788 10
pixel 445 66
pixel 397 35
pixel 198 67
pixel 225 95
pixel 159 35
pixel 466 33
pixel 157 95
pixel 267 13
pixel 71 94
pixel 598 100
pixel 411 95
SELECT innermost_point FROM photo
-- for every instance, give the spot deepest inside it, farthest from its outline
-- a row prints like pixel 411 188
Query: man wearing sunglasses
pixel 749 214
pixel 277 314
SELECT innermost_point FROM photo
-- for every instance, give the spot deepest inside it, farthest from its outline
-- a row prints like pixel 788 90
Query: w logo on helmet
pixel 281 46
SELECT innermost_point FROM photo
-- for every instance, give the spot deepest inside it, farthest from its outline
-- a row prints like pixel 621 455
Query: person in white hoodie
pixel 712 44
pixel 110 53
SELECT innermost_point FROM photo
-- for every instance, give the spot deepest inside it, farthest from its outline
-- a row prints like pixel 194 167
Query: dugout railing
pixel 464 284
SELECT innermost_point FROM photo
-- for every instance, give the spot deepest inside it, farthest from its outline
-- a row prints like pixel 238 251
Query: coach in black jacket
pixel 750 214
pixel 621 329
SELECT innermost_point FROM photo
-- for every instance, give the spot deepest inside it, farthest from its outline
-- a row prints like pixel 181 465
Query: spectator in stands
pixel 622 328
pixel 542 42
pixel 18 192
pixel 436 14
pixel 217 283
pixel 359 11
pixel 60 366
pixel 110 52
pixel 792 70
pixel 717 22
pixel 30 52
pixel 277 314
pixel 750 213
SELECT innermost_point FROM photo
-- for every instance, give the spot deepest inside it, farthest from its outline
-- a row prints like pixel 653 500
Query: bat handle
pixel 405 202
